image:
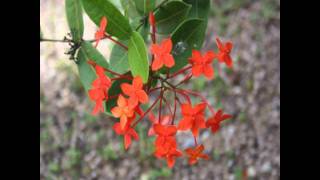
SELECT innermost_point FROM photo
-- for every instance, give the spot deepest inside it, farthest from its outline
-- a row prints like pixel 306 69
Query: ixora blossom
pixel 127 132
pixel 165 120
pixel 193 118
pixel 196 153
pixel 162 54
pixel 99 90
pixel 135 92
pixel 100 32
pixel 202 64
pixel 214 122
pixel 122 111
pixel 130 96
pixel 224 52
pixel 166 145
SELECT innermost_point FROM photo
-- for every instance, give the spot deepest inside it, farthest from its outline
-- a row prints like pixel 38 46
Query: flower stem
pixel 147 111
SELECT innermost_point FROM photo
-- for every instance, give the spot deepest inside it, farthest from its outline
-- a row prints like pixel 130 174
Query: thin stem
pixel 168 105
pixel 187 78
pixel 117 42
pixel 174 108
pixel 160 106
pixel 180 72
pixel 55 40
pixel 156 88
pixel 117 74
pixel 195 141
pixel 147 111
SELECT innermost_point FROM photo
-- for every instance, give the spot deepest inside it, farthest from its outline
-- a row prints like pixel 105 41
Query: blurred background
pixel 76 145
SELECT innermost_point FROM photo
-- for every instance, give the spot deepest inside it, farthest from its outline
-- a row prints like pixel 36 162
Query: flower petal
pixel 116 111
pixel 168 60
pixel 208 72
pixel 127 141
pixel 157 64
pixel 123 121
pixel 186 109
pixel 142 96
pixel 122 101
pixel 197 70
pixel 126 88
pixel 166 45
pixel 137 83
pixel 185 123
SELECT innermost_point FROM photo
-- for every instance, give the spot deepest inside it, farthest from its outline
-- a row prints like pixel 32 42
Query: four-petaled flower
pixel 162 54
pixel 127 133
pixel 166 145
pixel 165 120
pixel 196 153
pixel 135 92
pixel 224 52
pixel 202 64
pixel 122 111
pixel 193 118
pixel 99 90
pixel 100 32
pixel 214 122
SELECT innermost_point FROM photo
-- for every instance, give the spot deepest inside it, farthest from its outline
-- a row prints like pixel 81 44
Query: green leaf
pixel 138 57
pixel 118 25
pixel 75 19
pixel 119 59
pixel 86 72
pixel 200 9
pixel 145 6
pixel 184 39
pixel 130 10
pixel 93 54
pixel 169 16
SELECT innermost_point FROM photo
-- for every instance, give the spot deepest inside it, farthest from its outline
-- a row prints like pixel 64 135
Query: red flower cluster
pixel 163 126
pixel 202 64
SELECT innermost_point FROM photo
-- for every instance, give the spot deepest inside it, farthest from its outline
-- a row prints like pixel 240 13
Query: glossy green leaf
pixel 119 59
pixel 75 19
pixel 138 57
pixel 184 39
pixel 145 6
pixel 169 16
pixel 129 8
pixel 93 54
pixel 118 25
pixel 200 10
pixel 86 72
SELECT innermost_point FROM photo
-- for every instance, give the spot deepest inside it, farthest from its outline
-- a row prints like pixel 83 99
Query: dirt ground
pixel 76 145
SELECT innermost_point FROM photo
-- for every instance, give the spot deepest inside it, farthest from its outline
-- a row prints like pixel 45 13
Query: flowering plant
pixel 148 55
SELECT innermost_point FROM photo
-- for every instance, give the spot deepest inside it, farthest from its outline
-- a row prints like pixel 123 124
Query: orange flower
pixel 165 120
pixel 196 153
pixel 166 145
pixel 99 90
pixel 127 133
pixel 164 133
pixel 193 118
pixel 135 92
pixel 214 122
pixel 202 64
pixel 162 54
pixel 100 33
pixel 224 52
pixel 122 111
